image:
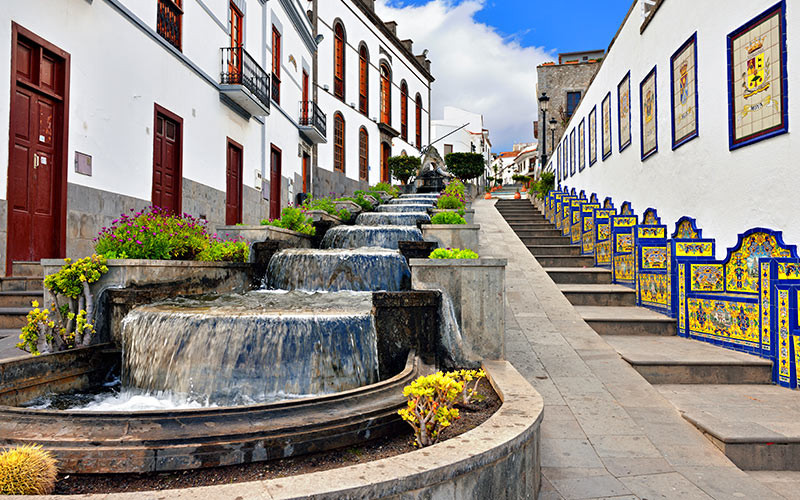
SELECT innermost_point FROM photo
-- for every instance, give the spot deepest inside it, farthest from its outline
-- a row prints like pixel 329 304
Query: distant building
pixel 565 84
pixel 521 160
pixel 461 131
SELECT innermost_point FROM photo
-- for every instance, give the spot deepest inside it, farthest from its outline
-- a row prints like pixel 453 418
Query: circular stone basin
pixel 405 207
pixel 148 441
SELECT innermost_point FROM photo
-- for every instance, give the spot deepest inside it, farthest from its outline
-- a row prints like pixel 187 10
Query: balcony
pixel 313 123
pixel 244 81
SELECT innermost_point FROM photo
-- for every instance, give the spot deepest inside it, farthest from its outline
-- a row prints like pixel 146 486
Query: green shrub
pixel 453 253
pixel 372 192
pixel 386 187
pixel 326 205
pixel 293 219
pixel 465 166
pixel 403 167
pixel 450 202
pixel 545 184
pixel 520 178
pixel 448 218
pixel 455 188
pixel 359 200
pixel 219 250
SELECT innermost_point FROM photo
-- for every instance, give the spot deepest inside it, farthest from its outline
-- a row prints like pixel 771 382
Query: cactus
pixel 27 470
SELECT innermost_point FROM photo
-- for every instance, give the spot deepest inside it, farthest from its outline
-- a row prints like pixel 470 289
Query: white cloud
pixel 475 67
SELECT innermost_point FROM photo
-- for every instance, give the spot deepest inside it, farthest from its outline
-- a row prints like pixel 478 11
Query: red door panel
pixel 167 172
pixel 275 184
pixel 233 187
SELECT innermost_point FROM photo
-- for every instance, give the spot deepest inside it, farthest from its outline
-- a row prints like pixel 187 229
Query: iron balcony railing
pixel 276 88
pixel 239 68
pixel 312 116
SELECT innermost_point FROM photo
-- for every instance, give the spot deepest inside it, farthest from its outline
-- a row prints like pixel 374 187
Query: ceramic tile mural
pixel 624 111
pixel 700 249
pixel 576 233
pixel 626 209
pixel 606 119
pixel 654 289
pixel 783 336
pixel 707 278
pixel 604 252
pixel 624 243
pixel 682 297
pixel 593 136
pixel 572 152
pixel 649 218
pixel 765 309
pixel 588 224
pixel 683 68
pixel 588 242
pixel 796 346
pixel 652 232
pixel 624 267
pixel 649 110
pixel 654 257
pixel 624 221
pixel 603 231
pixel 757 78
pixel 788 271
pixel 742 269
pixel 607 203
pixel 685 230
pixel 582 145
pixel 735 322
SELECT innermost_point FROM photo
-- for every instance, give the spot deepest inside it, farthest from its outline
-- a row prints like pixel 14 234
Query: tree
pixel 465 166
pixel 403 167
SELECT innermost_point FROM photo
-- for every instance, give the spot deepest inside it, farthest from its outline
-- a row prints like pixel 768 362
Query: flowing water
pixel 392 218
pixel 370 236
pixel 405 208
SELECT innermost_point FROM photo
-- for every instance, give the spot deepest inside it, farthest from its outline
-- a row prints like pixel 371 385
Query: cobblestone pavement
pixel 607 433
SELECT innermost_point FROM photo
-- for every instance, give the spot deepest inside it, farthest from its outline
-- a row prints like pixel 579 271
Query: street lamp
pixel 543 102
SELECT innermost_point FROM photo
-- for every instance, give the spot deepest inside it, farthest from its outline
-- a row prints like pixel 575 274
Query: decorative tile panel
pixel 682 297
pixel 624 267
pixel 784 373
pixel 685 230
pixel 654 289
pixel 707 278
pixel 624 243
pixel 624 221
pixel 766 318
pixel 654 257
pixel 683 71
pixel 701 249
pixel 652 232
pixel 604 252
pixel 604 231
pixel 742 269
pixel 734 322
pixel 788 270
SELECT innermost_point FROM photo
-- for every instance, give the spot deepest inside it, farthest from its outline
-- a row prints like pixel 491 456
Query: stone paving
pixel 607 433
pixel 8 345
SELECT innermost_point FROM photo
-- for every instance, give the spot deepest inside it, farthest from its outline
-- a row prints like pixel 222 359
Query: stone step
pixel 676 360
pixel 536 233
pixel 27 268
pixel 598 295
pixel 20 298
pixel 627 321
pixel 545 240
pixel 13 317
pixel 565 261
pixel 577 275
pixel 747 422
pixel 542 250
pixel 517 226
pixel 18 283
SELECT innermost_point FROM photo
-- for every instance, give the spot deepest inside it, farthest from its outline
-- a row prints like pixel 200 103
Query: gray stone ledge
pixel 487 262
pixel 58 263
pixel 500 458
pixel 473 227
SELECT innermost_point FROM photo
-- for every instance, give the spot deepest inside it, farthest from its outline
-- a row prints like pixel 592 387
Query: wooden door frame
pixel 228 143
pixel 62 147
pixel 274 148
pixel 161 110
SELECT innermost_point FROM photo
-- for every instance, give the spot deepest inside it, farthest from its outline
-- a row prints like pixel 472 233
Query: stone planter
pixel 469 214
pixel 477 289
pixel 352 207
pixel 161 279
pixel 372 200
pixel 260 233
pixel 384 196
pixel 452 235
pixel 323 216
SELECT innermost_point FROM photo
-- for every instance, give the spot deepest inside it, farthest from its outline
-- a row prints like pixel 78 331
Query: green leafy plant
pixel 465 166
pixel 403 167
pixel 450 202
pixel 372 192
pixel 326 205
pixel 359 200
pixel 27 470
pixel 431 401
pixel 293 219
pixel 68 324
pixel 448 218
pixel 219 250
pixel 520 178
pixel 545 184
pixel 387 188
pixel 455 188
pixel 453 253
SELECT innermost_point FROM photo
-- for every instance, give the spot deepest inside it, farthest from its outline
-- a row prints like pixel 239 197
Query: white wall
pixel 727 191
pixel 358 29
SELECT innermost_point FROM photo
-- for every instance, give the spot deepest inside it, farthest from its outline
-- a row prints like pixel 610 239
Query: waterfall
pixel 251 348
pixel 392 218
pixel 412 201
pixel 370 236
pixel 404 208
pixel 361 269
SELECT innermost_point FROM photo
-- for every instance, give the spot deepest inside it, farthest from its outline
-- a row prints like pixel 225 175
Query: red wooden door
pixel 167 156
pixel 386 152
pixel 275 183
pixel 305 98
pixel 233 191
pixel 37 164
pixel 306 168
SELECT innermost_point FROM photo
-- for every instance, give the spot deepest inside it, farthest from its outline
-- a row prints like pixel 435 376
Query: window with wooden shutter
pixel 419 122
pixel 169 21
pixel 363 80
pixel 386 95
pixel 276 65
pixel 363 154
pixel 404 110
pixel 338 142
pixel 338 63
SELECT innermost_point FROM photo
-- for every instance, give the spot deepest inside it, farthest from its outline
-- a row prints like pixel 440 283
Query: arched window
pixel 419 122
pixel 363 80
pixel 338 142
pixel 338 61
pixel 386 95
pixel 363 154
pixel 404 110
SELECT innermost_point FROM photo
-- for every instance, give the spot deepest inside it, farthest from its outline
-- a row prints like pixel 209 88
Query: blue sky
pixel 484 53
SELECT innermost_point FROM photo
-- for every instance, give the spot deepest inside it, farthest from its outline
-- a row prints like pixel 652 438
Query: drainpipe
pixel 314 93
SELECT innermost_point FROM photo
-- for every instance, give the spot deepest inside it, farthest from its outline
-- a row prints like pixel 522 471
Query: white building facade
pixel 207 107
pixel 461 131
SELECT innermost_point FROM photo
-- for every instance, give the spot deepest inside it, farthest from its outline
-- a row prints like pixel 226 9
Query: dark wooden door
pixel 167 156
pixel 37 136
pixel 275 183
pixel 233 191
pixel 386 152
pixel 306 173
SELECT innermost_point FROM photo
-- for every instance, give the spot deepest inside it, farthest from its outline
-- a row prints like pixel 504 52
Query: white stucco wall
pixel 358 29
pixel 727 191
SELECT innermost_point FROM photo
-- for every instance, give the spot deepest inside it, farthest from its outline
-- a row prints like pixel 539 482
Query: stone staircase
pixel 680 368
pixel 16 294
